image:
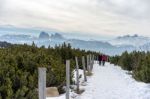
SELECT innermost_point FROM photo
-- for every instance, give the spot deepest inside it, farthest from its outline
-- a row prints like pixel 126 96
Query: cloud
pixel 2 3
pixel 109 17
pixel 129 8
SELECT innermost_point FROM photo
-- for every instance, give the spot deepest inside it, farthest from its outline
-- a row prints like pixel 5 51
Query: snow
pixel 110 82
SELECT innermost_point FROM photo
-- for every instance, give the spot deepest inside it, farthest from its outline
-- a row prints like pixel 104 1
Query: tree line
pixel 19 68
pixel 137 62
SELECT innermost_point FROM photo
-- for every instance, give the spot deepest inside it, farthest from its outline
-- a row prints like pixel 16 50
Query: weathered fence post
pixel 84 69
pixel 93 59
pixel 90 63
pixel 88 68
pixel 67 78
pixel 42 83
pixel 77 74
pixel 97 59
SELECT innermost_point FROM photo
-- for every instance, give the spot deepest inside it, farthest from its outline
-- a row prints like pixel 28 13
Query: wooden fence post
pixel 90 63
pixel 93 59
pixel 42 83
pixel 67 78
pixel 84 69
pixel 97 59
pixel 88 69
pixel 77 74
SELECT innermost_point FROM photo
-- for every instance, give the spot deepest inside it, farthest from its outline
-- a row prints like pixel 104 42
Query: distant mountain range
pixel 135 40
pixel 111 47
pixel 44 35
pixel 4 44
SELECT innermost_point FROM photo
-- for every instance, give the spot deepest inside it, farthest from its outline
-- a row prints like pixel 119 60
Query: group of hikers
pixel 102 59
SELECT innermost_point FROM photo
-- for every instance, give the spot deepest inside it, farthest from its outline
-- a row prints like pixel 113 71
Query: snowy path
pixel 111 82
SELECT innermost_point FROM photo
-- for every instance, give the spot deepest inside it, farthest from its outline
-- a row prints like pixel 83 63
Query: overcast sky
pixel 96 17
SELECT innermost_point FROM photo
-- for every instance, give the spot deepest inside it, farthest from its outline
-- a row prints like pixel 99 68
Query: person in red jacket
pixel 104 59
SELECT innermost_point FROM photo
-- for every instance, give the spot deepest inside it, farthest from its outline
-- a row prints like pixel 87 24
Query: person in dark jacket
pixel 100 59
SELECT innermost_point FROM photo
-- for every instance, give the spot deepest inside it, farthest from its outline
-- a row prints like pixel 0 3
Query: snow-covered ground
pixel 111 82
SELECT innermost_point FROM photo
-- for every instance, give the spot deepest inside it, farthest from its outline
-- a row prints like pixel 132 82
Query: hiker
pixel 100 59
pixel 108 58
pixel 104 59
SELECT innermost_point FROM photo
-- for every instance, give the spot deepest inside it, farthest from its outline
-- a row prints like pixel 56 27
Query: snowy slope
pixel 111 82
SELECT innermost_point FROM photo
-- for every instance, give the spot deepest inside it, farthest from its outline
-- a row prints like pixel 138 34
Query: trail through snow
pixel 111 82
